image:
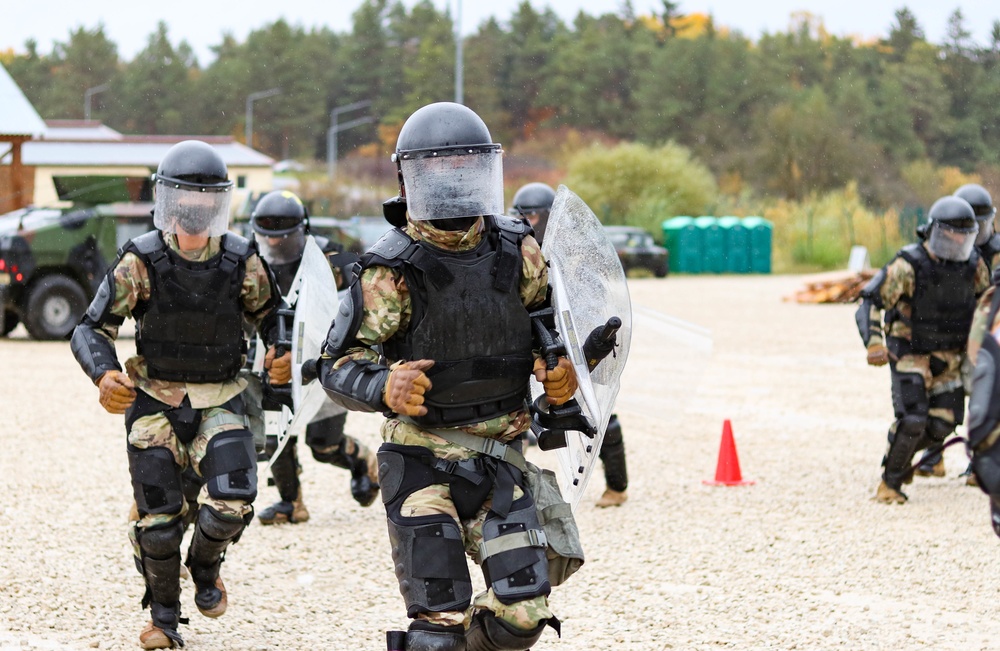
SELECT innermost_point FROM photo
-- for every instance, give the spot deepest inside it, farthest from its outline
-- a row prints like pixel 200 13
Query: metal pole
pixel 251 98
pixel 336 127
pixel 459 95
pixel 89 94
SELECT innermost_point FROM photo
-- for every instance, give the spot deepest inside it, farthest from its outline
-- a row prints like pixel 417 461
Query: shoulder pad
pixel 912 252
pixel 392 244
pixel 236 244
pixel 146 243
pixel 510 224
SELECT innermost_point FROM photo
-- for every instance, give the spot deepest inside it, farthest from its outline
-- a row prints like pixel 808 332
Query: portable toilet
pixel 713 242
pixel 760 231
pixel 737 245
pixel 683 242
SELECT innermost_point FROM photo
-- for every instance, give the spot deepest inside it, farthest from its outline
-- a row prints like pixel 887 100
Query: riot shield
pixel 588 288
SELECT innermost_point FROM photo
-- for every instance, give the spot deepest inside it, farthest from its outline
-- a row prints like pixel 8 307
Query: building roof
pixel 79 130
pixel 131 150
pixel 17 116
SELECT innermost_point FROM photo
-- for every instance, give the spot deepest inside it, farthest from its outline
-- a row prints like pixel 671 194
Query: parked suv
pixel 637 250
pixel 52 261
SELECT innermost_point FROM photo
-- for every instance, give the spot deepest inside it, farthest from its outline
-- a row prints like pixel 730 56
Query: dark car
pixel 637 250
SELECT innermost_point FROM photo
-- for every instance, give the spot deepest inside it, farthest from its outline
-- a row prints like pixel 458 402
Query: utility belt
pixel 560 535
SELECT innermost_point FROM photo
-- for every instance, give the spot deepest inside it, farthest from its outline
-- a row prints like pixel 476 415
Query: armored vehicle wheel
pixel 54 307
pixel 10 322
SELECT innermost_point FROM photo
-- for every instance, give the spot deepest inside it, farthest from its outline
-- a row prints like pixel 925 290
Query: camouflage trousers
pixel 154 431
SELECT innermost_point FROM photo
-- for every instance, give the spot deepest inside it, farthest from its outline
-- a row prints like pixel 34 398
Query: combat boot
pixel 280 512
pixel 161 631
pixel 928 470
pixel 884 494
pixel 612 498
pixel 364 479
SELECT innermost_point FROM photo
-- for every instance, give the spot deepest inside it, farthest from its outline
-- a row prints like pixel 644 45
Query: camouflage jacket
pixel 388 308
pixel 131 282
pixel 899 283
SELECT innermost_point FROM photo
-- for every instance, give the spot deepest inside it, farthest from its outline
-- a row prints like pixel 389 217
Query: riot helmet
pixel 449 166
pixel 532 203
pixel 280 223
pixel 192 190
pixel 982 205
pixel 953 229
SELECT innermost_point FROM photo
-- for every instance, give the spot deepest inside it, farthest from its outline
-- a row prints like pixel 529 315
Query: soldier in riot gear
pixel 532 203
pixel 189 285
pixel 446 299
pixel 280 223
pixel 928 292
pixel 988 245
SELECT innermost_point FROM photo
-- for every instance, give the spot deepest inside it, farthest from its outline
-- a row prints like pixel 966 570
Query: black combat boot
pixel 487 633
pixel 212 536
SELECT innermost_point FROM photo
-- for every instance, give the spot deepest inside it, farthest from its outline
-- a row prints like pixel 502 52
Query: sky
pixel 202 24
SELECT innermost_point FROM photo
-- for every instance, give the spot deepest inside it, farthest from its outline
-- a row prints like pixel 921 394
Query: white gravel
pixel 800 560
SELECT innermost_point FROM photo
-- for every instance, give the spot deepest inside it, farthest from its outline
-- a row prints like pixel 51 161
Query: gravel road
pixel 802 559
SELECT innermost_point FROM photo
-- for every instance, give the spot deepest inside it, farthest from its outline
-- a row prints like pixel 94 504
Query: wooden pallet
pixel 843 288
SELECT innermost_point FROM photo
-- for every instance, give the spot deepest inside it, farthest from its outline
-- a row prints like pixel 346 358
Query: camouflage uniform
pixel 927 386
pixel 387 310
pixel 984 427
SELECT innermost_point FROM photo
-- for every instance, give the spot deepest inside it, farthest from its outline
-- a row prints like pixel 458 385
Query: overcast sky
pixel 129 23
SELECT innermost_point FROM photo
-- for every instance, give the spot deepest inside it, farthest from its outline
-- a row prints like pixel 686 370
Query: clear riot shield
pixel 588 288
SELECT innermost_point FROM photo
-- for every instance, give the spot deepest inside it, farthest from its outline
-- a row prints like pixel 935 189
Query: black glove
pixel 310 370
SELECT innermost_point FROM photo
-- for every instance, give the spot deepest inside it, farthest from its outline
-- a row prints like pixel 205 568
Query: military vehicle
pixel 52 259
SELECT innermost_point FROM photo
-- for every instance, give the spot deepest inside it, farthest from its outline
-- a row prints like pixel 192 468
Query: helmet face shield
pixel 453 183
pixel 192 210
pixel 985 228
pixel 282 249
pixel 953 239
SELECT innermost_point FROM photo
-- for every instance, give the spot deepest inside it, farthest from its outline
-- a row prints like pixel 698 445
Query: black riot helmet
pixel 448 164
pixel 280 223
pixel 953 228
pixel 982 205
pixel 532 202
pixel 192 190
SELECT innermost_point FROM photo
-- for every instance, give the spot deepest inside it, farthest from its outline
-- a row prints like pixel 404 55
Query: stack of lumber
pixel 844 287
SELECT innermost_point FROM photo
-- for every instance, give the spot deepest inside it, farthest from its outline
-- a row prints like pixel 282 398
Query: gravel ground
pixel 800 560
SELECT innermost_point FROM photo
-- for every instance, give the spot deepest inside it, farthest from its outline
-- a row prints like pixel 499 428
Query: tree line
pixel 789 115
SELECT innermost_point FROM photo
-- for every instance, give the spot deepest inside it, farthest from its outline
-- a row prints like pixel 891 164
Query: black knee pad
pixel 512 553
pixel 429 557
pixel 909 394
pixel 911 426
pixel 162 541
pixel 326 433
pixel 487 633
pixel 938 430
pixel 156 480
pixel 230 466
pixel 953 400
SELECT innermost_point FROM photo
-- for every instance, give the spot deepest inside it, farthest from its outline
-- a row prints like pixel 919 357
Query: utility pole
pixel 88 96
pixel 336 127
pixel 251 98
pixel 459 72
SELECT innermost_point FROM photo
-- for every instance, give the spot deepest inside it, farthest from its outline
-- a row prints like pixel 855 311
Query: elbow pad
pixel 863 318
pixel 356 385
pixel 872 291
pixel 95 354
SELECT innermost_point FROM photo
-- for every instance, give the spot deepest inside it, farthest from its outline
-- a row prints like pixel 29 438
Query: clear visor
pixel 282 249
pixel 985 229
pixel 950 243
pixel 449 187
pixel 191 211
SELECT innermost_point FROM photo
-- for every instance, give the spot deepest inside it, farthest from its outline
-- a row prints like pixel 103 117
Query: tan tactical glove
pixel 878 355
pixel 405 388
pixel 117 392
pixel 559 383
pixel 279 369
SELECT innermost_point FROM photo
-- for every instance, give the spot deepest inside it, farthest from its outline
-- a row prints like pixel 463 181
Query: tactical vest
pixel 191 328
pixel 990 249
pixel 943 301
pixel 468 317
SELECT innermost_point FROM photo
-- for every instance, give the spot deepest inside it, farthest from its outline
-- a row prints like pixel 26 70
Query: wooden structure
pixel 842 287
pixel 19 123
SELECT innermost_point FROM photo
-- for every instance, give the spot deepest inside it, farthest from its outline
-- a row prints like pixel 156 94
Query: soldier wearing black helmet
pixel 928 294
pixel 931 464
pixel 189 285
pixel 437 334
pixel 532 203
pixel 280 223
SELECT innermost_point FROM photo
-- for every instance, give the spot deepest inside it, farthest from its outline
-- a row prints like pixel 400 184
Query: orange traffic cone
pixel 727 472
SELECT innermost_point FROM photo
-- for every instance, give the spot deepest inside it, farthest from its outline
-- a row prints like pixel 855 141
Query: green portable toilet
pixel 683 242
pixel 737 245
pixel 760 244
pixel 713 242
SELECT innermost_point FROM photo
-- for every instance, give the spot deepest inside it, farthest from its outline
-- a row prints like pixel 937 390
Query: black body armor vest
pixel 943 301
pixel 191 328
pixel 990 249
pixel 468 318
